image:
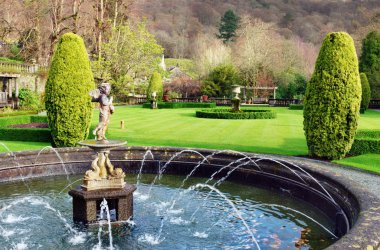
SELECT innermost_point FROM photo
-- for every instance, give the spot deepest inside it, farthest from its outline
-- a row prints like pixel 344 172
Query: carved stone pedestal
pixel 86 204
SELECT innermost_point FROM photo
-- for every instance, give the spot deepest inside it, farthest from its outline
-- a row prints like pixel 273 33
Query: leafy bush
pixel 176 105
pixel 67 99
pixel 366 93
pixel 29 100
pixel 155 85
pixel 296 106
pixel 243 114
pixel 210 88
pixel 366 141
pixel 332 100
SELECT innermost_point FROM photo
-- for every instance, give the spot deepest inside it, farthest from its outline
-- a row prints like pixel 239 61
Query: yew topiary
pixel 332 100
pixel 67 99
pixel 366 92
pixel 155 85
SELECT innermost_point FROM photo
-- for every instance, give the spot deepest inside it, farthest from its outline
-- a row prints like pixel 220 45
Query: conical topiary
pixel 366 93
pixel 332 100
pixel 155 85
pixel 67 99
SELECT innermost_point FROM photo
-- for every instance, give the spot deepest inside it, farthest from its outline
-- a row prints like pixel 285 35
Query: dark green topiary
pixel 332 100
pixel 366 93
pixel 67 100
pixel 155 85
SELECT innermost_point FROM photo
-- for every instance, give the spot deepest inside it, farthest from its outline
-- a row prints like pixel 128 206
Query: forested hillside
pixel 177 23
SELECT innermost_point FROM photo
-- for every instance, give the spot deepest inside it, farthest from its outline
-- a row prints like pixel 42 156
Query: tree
pixel 370 62
pixel 155 85
pixel 131 52
pixel 366 93
pixel 332 100
pixel 228 25
pixel 224 76
pixel 67 99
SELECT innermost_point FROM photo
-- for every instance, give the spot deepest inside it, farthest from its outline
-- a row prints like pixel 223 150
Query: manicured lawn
pixel 180 128
pixel 21 145
pixel 370 162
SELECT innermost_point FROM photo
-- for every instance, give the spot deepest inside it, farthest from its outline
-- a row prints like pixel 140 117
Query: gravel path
pixel 366 179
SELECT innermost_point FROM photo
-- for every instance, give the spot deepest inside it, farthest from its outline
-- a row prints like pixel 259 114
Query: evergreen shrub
pixel 67 100
pixel 366 93
pixel 332 100
pixel 155 85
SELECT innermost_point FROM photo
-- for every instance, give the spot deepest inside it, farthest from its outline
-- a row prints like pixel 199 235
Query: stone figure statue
pixel 101 95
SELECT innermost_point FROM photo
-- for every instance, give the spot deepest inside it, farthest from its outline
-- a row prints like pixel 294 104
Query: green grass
pixel 21 145
pixel 369 162
pixel 180 128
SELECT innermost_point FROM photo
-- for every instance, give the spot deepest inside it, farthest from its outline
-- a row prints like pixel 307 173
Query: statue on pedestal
pixel 106 108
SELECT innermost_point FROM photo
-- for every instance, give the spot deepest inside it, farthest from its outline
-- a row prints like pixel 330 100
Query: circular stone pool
pixel 37 214
pixel 257 202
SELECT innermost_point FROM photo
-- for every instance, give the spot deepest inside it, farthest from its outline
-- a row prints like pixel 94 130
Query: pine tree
pixel 67 99
pixel 369 62
pixel 228 25
pixel 332 99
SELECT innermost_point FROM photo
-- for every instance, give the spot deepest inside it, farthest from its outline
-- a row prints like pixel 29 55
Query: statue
pixel 101 95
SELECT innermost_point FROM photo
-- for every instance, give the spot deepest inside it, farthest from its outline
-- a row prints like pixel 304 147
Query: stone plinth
pixel 86 204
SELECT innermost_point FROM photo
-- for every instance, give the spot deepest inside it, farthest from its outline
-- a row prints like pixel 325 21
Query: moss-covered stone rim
pixel 229 114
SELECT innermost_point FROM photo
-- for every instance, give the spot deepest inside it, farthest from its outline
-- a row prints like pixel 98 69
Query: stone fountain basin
pixel 361 207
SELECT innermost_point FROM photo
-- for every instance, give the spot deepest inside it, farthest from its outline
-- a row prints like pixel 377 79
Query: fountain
pixel 292 202
pixel 104 181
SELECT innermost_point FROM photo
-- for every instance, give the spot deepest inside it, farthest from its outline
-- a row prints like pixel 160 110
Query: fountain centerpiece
pixel 236 100
pixel 103 181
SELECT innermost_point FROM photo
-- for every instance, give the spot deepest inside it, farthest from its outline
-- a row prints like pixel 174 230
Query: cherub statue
pixel 101 95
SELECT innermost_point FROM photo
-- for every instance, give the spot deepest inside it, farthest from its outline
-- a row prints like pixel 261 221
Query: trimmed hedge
pixel 244 114
pixel 24 134
pixel 296 106
pixel 366 141
pixel 177 105
pixel 18 113
pixel 6 121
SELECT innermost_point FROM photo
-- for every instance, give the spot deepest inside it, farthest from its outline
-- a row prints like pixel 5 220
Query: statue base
pixel 115 183
pixel 86 204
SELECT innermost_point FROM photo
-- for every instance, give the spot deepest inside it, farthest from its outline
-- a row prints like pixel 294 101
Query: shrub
pixel 155 85
pixel 366 93
pixel 366 141
pixel 67 100
pixel 29 100
pixel 332 100
pixel 243 114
